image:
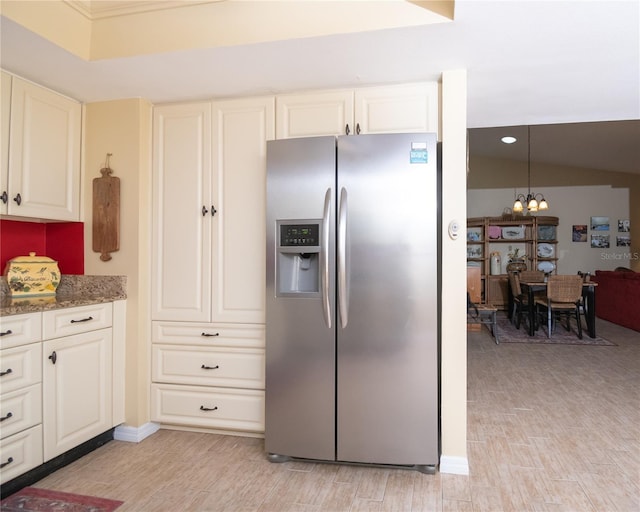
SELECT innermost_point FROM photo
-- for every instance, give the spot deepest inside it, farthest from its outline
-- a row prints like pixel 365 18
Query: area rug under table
pixel 34 499
pixel 507 333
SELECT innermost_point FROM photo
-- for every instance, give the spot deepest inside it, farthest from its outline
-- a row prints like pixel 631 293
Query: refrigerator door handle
pixel 324 279
pixel 343 292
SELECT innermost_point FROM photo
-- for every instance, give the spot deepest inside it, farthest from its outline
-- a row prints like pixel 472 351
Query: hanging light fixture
pixel 531 200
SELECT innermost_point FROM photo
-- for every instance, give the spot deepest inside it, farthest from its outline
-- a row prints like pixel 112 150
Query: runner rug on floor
pixel 507 333
pixel 34 499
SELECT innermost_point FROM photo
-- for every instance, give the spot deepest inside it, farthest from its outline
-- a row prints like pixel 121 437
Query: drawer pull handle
pixel 4 333
pixel 9 461
pixel 9 415
pixel 203 408
pixel 53 357
pixel 204 367
pixel 83 320
pixel 7 372
pixel 208 335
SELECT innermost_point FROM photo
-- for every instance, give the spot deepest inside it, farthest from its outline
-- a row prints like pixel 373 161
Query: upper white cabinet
pixel 314 114
pixel 43 177
pixel 389 109
pixel 208 210
pixel 5 108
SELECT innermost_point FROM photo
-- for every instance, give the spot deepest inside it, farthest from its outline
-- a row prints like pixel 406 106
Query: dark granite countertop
pixel 73 291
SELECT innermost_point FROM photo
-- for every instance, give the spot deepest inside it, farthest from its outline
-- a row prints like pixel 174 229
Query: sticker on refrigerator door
pixel 419 153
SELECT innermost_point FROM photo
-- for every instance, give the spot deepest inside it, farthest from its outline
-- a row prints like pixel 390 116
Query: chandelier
pixel 533 202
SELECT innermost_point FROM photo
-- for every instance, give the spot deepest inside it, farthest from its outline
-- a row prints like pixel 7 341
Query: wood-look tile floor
pixel 550 428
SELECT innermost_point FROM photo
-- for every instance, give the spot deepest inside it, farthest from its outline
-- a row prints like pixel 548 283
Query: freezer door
pixel 387 378
pixel 300 303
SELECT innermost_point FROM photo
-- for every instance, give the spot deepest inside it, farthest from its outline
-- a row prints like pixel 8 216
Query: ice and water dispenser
pixel 298 258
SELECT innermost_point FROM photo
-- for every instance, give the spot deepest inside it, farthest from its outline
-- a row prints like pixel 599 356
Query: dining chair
pixel 520 300
pixel 564 296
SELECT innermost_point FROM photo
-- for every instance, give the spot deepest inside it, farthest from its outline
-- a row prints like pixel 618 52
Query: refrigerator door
pixel 387 373
pixel 300 302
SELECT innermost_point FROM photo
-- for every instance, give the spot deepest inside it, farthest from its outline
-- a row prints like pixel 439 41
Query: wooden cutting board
pixel 106 214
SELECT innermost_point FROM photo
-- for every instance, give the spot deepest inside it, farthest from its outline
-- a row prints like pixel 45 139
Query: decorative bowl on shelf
pixel 546 232
pixel 494 232
pixel 513 232
pixel 546 250
pixel 546 266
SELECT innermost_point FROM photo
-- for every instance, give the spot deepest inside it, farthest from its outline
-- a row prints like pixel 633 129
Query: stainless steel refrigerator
pixel 352 300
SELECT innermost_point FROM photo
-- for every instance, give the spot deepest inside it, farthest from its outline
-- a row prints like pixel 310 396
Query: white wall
pixel 573 206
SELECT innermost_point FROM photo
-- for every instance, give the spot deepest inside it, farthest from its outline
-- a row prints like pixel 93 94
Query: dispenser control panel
pixel 299 235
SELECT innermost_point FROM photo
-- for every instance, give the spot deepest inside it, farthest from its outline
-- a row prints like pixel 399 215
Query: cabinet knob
pixel 213 210
pixel 347 130
pixel 18 199
pixel 358 129
pixel 4 197
pixel 53 357
pixel 204 211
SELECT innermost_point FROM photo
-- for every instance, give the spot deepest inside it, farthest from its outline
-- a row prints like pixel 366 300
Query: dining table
pixel 588 301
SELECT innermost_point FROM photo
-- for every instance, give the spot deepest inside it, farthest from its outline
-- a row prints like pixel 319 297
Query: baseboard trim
pixel 454 465
pixel 135 434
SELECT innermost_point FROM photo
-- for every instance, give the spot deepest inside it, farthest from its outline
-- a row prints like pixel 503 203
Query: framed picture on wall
pixel 600 241
pixel 624 226
pixel 599 223
pixel 579 233
pixel 623 241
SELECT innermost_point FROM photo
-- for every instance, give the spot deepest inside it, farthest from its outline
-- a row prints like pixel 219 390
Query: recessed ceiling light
pixel 508 139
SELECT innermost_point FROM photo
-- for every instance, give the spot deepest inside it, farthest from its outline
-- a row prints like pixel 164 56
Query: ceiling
pixel 567 65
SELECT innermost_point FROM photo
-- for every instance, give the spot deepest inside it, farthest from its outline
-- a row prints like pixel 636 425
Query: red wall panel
pixel 63 242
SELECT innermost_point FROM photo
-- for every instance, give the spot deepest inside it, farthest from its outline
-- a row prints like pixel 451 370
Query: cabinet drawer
pixel 20 452
pixel 20 367
pixel 20 329
pixel 20 410
pixel 209 335
pixel 64 322
pixel 230 409
pixel 209 366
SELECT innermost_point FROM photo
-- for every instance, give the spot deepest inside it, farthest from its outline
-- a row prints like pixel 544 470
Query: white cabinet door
pixel 314 114
pixel 77 390
pixel 397 109
pixel 391 109
pixel 241 129
pixel 44 154
pixel 5 109
pixel 181 262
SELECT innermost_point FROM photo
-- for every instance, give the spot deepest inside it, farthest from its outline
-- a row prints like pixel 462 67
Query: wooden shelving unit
pixel 535 238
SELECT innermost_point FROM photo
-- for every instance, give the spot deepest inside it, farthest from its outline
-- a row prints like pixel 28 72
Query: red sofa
pixel 618 297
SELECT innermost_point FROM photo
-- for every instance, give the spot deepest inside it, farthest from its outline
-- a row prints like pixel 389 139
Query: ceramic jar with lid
pixel 32 276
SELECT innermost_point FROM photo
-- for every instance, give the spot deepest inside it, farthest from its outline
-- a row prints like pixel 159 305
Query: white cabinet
pixel 208 288
pixel 62 381
pixel 181 262
pixel 5 108
pixel 389 109
pixel 208 375
pixel 208 210
pixel 43 176
pixel 20 395
pixel 76 390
